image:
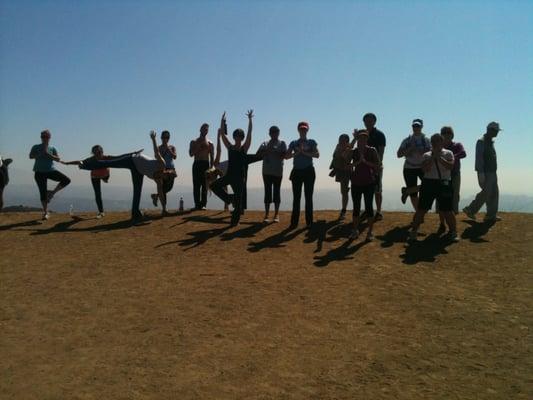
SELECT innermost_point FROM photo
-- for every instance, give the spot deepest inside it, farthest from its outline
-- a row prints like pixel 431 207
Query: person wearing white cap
pixel 486 166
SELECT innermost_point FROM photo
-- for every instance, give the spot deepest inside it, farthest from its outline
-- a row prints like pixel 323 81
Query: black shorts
pixel 436 189
pixel 411 176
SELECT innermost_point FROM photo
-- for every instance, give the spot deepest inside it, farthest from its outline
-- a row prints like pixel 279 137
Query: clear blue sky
pixel 108 72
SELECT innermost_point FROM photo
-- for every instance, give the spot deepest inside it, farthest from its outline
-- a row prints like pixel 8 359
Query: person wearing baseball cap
pixel 486 166
pixel 413 148
pixel 302 151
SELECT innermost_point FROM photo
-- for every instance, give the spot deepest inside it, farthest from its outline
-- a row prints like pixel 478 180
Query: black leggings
pixel 306 178
pixel 41 180
pixel 272 189
pixel 125 162
pixel 198 182
pixel 237 185
pixel 97 186
pixel 367 191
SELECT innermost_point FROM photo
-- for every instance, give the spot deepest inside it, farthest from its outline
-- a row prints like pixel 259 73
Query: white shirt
pixel 433 173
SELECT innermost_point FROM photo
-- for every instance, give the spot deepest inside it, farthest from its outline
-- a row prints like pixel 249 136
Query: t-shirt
pixel 167 156
pixel 302 161
pixel 146 165
pixel 274 153
pixel 436 167
pixel 364 174
pixel 458 152
pixel 376 139
pixel 422 144
pixel 236 163
pixel 43 163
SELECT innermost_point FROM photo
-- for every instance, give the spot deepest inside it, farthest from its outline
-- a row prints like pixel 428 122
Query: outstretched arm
pixel 248 141
pixel 71 162
pixel 223 130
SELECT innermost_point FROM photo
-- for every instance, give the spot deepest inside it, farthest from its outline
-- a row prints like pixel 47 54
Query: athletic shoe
pixel 45 217
pixel 276 219
pixel 469 213
pixel 378 217
pixel 49 196
pixel 266 220
pixel 453 236
pixel 492 219
pixel 441 230
pixel 412 237
pixel 369 237
pixel 100 215
pixel 154 199
pixel 342 215
pixel 203 208
pixel 354 235
pixel 404 195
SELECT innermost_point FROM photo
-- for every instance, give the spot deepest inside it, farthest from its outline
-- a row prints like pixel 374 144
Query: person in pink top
pixel 365 166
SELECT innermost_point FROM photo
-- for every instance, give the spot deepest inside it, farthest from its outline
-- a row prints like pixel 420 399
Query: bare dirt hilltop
pixel 185 307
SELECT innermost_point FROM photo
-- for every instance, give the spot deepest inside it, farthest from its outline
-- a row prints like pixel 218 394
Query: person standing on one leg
pixel 436 185
pixel 486 166
pixel 4 178
pixel 169 154
pixel 458 153
pixel 44 155
pixel 365 167
pixel 377 140
pixel 237 162
pixel 303 151
pixel 413 148
pixel 203 152
pixel 273 153
pixel 341 168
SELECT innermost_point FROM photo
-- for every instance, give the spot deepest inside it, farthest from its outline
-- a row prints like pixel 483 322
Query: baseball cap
pixel 418 122
pixel 494 126
pixel 303 125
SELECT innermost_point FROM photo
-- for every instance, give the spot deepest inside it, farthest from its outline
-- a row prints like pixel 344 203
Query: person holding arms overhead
pixel 202 150
pixel 413 148
pixel 437 165
pixel 237 162
pixel 303 174
pixel 44 155
pixel 486 166
pixel 273 153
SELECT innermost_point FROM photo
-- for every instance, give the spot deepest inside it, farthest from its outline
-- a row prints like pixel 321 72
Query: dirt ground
pixel 185 307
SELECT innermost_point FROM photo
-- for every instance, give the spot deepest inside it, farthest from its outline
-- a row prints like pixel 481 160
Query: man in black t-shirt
pixel 376 139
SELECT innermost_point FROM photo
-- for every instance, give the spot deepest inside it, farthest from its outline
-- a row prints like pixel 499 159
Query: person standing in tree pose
pixel 44 155
pixel 169 154
pixel 273 153
pixel 413 148
pixel 303 174
pixel 202 151
pixel 366 164
pixel 341 169
pixel 237 163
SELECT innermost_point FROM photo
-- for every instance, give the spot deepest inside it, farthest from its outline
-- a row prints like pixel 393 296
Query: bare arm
pixel 173 152
pixel 223 135
pixel 212 155
pixel 157 154
pixel 71 162
pixel 192 148
pixel 219 149
pixel 448 164
pixel 248 141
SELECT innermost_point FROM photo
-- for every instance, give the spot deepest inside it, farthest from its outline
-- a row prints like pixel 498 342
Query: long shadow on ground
pixel 398 234
pixel 248 232
pixel 224 217
pixel 197 238
pixel 476 231
pixel 342 253
pixel 275 241
pixel 426 250
pixel 32 222
pixel 67 226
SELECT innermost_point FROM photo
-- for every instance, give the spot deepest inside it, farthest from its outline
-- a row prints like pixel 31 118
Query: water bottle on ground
pixel 71 210
pixel 181 204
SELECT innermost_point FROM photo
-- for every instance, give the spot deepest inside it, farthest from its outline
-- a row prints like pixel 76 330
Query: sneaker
pixel 342 215
pixel 354 235
pixel 45 217
pixel 154 199
pixel 378 217
pixel 469 213
pixel 203 208
pixel 100 215
pixel 453 236
pixel 404 195
pixel 441 230
pixel 49 196
pixel 492 219
pixel 369 237
pixel 276 219
pixel 266 220
pixel 412 237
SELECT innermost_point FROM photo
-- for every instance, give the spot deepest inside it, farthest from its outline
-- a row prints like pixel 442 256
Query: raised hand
pixel 152 134
pixel 250 114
